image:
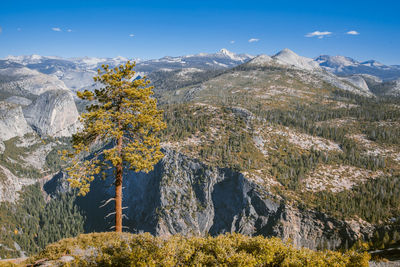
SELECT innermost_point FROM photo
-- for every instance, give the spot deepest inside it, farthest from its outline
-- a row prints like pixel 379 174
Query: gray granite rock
pixel 53 113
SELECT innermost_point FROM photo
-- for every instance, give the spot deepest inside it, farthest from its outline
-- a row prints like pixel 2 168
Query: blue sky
pixel 153 29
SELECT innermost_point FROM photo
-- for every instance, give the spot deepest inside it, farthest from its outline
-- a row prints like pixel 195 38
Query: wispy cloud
pixel 1 29
pixel 253 40
pixel 131 35
pixel 318 34
pixel 56 29
pixel 69 30
pixel 232 42
pixel 352 33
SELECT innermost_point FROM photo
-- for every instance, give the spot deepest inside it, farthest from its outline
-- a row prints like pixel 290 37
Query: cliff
pixel 53 113
pixel 12 121
pixel 185 196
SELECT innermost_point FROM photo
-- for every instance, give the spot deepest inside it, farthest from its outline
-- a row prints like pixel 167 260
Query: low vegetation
pixel 112 249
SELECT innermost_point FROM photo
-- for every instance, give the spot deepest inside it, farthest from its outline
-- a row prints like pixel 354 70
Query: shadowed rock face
pixel 53 113
pixel 185 196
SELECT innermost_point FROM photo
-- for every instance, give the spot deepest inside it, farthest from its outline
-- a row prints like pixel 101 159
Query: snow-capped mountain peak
pixel 230 55
pixel 227 53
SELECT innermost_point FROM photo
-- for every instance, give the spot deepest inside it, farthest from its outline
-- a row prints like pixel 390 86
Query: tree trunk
pixel 118 192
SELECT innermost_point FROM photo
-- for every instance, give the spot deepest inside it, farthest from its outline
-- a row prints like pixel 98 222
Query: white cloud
pixel 353 33
pixel 318 34
pixel 232 42
pixel 253 40
pixel 56 29
pixel 131 35
pixel 69 30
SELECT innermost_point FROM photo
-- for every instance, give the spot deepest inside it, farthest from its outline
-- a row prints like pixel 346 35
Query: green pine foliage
pixel 375 201
pixel 33 223
pixel 12 158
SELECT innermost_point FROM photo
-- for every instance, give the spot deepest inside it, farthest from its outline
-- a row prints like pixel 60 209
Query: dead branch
pixel 108 215
pixel 108 201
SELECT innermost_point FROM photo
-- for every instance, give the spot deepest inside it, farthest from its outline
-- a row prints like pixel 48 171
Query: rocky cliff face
pixel 185 196
pixel 12 121
pixel 10 185
pixel 53 113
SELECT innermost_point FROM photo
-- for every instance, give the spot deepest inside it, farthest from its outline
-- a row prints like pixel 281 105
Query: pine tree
pixel 124 115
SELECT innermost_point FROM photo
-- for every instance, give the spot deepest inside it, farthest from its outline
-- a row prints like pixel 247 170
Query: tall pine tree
pixel 124 114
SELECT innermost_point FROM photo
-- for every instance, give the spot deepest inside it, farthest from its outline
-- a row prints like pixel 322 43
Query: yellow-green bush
pixel 112 249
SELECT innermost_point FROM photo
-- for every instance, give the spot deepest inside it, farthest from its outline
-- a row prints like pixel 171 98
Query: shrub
pixel 112 249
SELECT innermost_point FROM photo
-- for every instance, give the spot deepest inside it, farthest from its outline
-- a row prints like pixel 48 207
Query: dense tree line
pixel 12 158
pixel 53 162
pixel 383 134
pixel 33 223
pixel 375 201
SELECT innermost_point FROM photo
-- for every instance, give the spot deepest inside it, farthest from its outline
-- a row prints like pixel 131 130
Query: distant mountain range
pixel 347 66
pixel 76 73
pixel 339 65
pixel 50 65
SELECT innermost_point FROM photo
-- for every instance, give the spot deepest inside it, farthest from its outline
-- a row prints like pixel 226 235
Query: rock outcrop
pixel 358 81
pixel 10 185
pixel 260 61
pixel 53 113
pixel 289 58
pixel 185 196
pixel 12 121
pixel 19 100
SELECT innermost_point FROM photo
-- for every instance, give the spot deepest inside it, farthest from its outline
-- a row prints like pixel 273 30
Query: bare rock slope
pixel 53 113
pixel 12 121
